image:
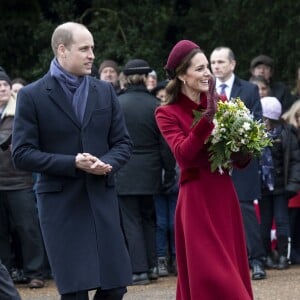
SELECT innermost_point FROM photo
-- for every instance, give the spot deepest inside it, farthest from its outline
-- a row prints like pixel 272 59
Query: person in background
pixel 296 89
pixel 69 129
pixel 246 181
pixel 263 65
pixel 280 175
pixel 17 84
pixel 160 91
pixel 210 244
pixel 165 205
pixel 109 71
pixel 122 82
pixel 140 179
pixel 18 214
pixel 7 288
pixel 151 81
pixel 262 84
pixel 292 117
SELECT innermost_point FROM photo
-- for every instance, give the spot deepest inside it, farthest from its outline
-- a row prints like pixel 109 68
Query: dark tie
pixel 223 86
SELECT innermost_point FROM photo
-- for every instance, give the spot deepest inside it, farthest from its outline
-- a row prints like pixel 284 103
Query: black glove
pixel 240 158
pixel 290 194
pixel 212 99
pixel 6 143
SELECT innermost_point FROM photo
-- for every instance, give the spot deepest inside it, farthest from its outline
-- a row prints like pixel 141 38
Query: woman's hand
pixel 212 99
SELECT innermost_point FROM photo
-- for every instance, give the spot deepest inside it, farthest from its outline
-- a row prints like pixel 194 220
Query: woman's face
pixel 196 78
pixel 262 88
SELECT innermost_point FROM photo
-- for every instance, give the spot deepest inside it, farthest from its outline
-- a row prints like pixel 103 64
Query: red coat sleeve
pixel 184 141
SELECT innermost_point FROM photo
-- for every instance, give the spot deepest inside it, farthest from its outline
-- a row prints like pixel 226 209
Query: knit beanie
pixel 4 76
pixel 108 64
pixel 271 108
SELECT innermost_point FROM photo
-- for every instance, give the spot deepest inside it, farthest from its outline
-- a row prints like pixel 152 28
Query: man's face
pixel 109 74
pixel 151 82
pixel 78 58
pixel 5 92
pixel 262 70
pixel 222 67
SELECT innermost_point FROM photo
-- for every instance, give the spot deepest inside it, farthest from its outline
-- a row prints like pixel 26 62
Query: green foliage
pixel 147 29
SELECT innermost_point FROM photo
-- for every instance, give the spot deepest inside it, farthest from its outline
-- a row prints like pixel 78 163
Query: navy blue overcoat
pixel 79 212
pixel 247 180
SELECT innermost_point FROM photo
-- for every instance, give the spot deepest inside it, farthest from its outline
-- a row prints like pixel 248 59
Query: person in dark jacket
pixel 263 65
pixel 18 213
pixel 246 181
pixel 70 130
pixel 280 175
pixel 140 179
pixel 165 205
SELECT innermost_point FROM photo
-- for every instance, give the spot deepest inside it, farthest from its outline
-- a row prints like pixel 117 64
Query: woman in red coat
pixel 210 245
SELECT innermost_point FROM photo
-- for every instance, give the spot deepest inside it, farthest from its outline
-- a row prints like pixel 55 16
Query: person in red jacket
pixel 210 244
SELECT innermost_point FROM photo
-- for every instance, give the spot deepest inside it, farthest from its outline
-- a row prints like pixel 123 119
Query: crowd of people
pixel 104 183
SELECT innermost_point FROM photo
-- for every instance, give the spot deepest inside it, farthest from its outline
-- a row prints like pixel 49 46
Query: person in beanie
pixel 17 199
pixel 69 129
pixel 140 178
pixel 280 176
pixel 210 244
pixel 109 71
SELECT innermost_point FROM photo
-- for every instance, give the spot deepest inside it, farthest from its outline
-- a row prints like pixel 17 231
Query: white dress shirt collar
pixel 229 84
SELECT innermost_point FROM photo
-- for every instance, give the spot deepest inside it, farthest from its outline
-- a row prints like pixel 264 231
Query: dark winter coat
pixel 247 180
pixel 10 177
pixel 79 212
pixel 286 160
pixel 142 174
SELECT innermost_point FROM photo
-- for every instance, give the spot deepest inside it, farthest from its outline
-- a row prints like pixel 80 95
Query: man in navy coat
pixel 70 130
pixel 247 180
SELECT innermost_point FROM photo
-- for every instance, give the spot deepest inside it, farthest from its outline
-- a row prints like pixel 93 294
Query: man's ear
pixel 61 50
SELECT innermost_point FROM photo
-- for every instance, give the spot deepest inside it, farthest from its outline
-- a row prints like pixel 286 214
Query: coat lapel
pixel 90 104
pixel 236 88
pixel 57 95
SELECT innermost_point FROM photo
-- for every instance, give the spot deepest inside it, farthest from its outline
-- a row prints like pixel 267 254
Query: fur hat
pixel 271 108
pixel 178 53
pixel 108 64
pixel 136 66
pixel 262 60
pixel 4 76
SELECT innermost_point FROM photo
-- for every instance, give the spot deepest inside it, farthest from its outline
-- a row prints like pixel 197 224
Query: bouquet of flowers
pixel 235 131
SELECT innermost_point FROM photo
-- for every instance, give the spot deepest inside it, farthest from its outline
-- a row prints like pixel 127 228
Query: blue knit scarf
pixel 76 88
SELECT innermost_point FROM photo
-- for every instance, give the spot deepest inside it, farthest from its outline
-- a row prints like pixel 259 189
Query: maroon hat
pixel 178 53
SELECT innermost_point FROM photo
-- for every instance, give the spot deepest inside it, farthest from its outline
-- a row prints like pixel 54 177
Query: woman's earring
pixel 184 82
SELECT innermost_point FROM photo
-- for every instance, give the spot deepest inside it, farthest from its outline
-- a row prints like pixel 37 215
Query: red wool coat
pixel 210 244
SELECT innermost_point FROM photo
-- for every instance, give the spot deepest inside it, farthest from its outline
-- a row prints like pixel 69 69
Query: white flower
pixel 247 126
